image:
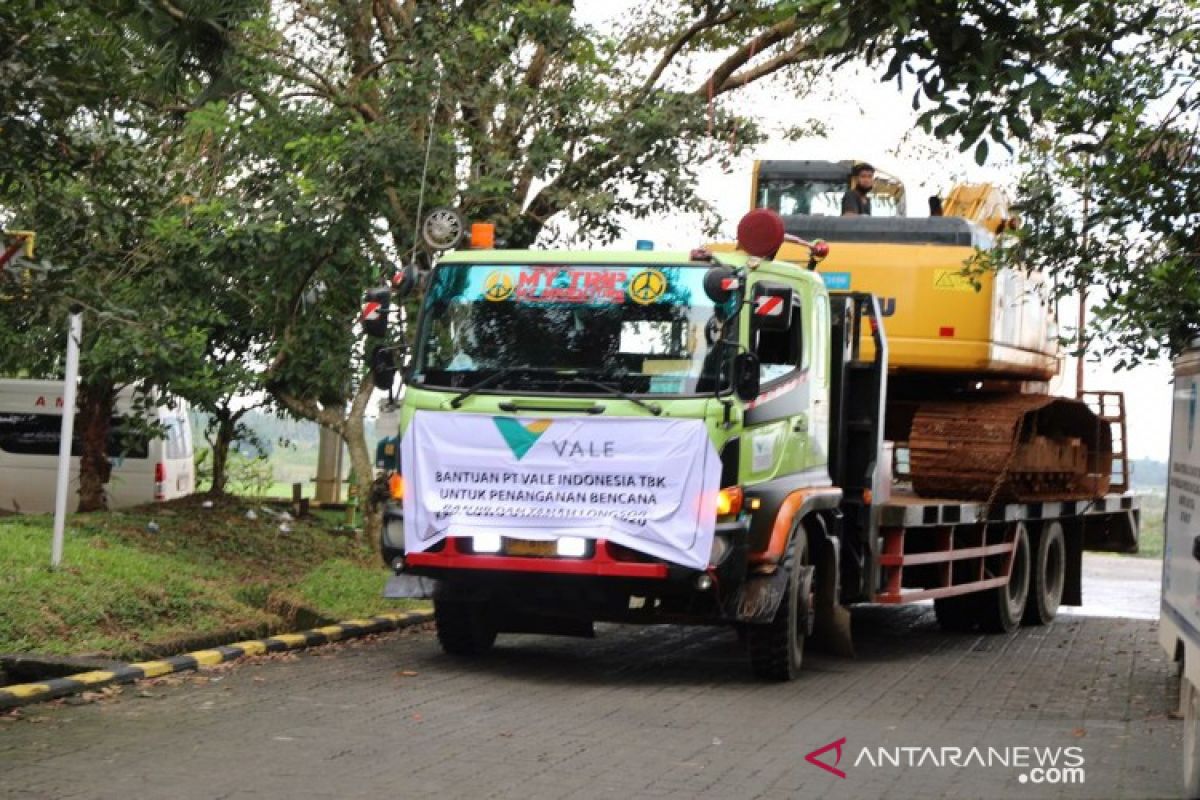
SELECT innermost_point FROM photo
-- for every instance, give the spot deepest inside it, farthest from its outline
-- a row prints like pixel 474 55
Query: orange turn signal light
pixel 396 486
pixel 729 501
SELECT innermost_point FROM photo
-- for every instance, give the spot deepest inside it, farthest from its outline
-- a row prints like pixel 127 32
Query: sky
pixel 870 121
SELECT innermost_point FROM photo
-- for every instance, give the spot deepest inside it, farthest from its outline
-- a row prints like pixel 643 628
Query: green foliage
pixel 124 591
pixel 1110 196
pixel 111 598
pixel 222 179
pixel 343 589
pixel 250 475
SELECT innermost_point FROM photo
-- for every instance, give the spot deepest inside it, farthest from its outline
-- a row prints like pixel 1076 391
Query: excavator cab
pixel 816 188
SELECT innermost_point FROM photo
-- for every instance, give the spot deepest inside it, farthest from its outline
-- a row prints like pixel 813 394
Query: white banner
pixel 648 484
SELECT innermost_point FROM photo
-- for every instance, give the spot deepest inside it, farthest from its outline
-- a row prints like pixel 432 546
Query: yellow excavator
pixel 970 354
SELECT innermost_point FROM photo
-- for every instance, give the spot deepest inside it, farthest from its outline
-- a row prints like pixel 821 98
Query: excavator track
pixel 1009 448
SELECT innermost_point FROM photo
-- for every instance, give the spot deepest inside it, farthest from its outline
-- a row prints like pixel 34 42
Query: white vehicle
pixel 144 469
pixel 1179 624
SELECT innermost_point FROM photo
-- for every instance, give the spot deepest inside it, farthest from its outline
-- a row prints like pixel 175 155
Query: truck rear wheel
pixel 777 648
pixel 464 627
pixel 1049 575
pixel 1001 608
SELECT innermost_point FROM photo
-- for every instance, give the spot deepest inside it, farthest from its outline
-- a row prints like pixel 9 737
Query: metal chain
pixel 1012 452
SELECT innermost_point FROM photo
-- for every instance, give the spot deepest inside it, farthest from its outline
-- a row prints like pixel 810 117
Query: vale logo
pixel 520 436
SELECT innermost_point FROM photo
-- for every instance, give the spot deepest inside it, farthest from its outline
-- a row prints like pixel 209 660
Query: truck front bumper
pixel 609 582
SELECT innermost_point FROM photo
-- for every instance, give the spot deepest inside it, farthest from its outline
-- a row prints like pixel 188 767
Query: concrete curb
pixel 25 693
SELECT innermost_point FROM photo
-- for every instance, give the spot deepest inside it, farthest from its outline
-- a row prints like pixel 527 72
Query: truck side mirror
pixel 722 286
pixel 404 281
pixel 747 376
pixel 383 367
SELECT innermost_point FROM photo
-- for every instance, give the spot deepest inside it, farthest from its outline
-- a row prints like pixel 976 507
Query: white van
pixel 1179 620
pixel 144 469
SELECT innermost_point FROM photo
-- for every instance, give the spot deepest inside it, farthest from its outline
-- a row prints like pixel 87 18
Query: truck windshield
pixel 641 329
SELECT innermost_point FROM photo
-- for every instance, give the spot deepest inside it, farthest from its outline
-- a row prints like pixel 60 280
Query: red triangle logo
pixel 812 757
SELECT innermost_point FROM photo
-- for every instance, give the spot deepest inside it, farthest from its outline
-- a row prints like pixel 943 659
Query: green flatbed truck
pixel 675 437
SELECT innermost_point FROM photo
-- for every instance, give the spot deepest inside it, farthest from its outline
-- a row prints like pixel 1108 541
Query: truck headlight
pixel 486 543
pixel 572 546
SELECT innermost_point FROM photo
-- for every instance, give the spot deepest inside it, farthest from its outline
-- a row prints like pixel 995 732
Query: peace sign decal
pixel 647 286
pixel 498 286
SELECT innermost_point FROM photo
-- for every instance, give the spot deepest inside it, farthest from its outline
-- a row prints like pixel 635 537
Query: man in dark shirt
pixel 855 201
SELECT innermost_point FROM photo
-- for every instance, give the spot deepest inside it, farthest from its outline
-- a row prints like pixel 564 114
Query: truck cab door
pixel 778 421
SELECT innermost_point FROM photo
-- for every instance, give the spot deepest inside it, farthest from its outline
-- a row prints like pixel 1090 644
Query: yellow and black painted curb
pixel 26 693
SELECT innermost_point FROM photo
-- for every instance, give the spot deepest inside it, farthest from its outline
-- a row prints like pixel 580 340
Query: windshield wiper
pixel 574 379
pixel 490 380
pixel 651 406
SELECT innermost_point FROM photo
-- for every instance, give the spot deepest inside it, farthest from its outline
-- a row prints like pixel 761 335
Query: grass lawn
pixel 1150 538
pixel 126 591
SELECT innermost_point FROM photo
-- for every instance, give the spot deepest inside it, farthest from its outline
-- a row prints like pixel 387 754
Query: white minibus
pixel 144 468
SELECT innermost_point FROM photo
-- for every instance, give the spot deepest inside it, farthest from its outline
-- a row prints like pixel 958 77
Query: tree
pixel 1110 198
pixel 90 105
pixel 354 117
pixel 306 143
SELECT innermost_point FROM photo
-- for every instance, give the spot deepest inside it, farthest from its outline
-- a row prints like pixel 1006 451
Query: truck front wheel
pixel 777 648
pixel 464 627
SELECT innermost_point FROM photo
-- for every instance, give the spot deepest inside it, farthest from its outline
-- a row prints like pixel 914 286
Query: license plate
pixel 525 547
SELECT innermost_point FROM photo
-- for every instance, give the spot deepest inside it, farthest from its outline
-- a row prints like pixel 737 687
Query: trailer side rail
pixel 931 549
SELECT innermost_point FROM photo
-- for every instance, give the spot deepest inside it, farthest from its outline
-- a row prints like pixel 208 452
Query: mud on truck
pixel 698 438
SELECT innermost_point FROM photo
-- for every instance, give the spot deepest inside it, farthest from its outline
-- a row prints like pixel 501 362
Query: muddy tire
pixel 1048 578
pixel 777 648
pixel 1001 608
pixel 464 627
pixel 958 614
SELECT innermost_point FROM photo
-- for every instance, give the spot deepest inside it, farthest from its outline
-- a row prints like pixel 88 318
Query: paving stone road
pixel 636 712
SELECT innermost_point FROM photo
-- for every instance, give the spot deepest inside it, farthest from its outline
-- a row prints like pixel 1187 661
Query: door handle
pixel 1196 548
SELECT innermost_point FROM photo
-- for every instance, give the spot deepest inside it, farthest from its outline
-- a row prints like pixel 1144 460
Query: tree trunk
pixel 226 426
pixel 362 463
pixel 95 418
pixel 348 425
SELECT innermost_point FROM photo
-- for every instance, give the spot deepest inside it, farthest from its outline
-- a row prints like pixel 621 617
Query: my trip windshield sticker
pixel 647 286
pixel 557 285
pixel 560 284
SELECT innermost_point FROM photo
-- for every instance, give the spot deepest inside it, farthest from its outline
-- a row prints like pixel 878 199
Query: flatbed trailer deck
pixel 931 548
